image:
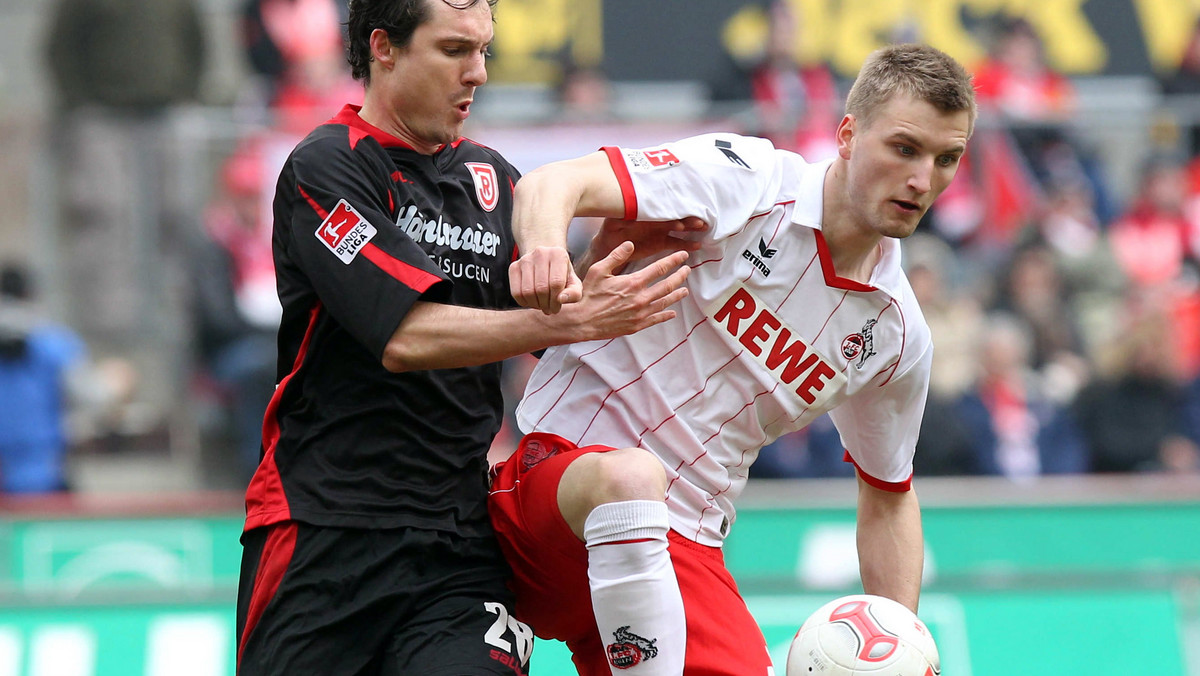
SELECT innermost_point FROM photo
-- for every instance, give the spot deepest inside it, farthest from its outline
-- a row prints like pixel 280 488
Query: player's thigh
pixel 294 616
pixel 462 634
pixel 723 638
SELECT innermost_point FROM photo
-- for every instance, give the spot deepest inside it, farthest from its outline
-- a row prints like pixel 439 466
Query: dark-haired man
pixel 367 546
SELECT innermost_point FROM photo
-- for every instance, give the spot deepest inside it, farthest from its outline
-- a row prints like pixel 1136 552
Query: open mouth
pixel 911 207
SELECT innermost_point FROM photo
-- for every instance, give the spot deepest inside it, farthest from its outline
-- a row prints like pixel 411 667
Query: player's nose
pixel 921 178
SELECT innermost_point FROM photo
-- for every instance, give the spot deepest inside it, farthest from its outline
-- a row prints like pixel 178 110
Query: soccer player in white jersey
pixel 613 509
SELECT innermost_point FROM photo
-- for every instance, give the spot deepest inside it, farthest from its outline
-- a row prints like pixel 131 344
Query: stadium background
pixel 134 572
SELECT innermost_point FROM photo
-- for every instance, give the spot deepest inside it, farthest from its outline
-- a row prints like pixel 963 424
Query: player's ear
pixel 381 48
pixel 845 136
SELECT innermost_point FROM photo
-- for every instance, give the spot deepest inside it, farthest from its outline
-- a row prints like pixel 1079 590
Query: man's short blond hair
pixel 916 70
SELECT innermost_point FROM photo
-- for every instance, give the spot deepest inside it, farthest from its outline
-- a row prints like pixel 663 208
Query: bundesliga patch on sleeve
pixel 650 159
pixel 345 232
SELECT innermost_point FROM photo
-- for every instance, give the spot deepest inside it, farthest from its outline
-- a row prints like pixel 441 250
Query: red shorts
pixel 550 572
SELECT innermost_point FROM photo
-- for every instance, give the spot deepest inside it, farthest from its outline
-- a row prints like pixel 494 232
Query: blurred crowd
pixel 1065 315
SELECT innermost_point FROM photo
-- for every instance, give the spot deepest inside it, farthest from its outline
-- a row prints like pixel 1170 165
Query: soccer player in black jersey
pixel 367 547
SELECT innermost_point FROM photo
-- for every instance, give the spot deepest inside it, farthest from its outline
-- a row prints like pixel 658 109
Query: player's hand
pixel 618 304
pixel 649 237
pixel 544 279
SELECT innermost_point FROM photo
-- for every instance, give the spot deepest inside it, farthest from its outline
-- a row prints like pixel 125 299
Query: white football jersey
pixel 768 339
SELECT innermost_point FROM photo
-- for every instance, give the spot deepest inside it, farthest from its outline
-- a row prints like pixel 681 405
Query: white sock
pixel 639 610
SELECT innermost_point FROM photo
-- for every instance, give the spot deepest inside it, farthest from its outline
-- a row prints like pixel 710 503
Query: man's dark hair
pixel 400 18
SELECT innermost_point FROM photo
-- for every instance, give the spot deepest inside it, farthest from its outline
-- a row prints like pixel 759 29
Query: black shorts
pixel 399 602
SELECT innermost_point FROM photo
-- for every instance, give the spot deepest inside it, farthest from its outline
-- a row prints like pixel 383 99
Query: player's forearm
pixel 543 207
pixel 435 336
pixel 547 198
pixel 890 544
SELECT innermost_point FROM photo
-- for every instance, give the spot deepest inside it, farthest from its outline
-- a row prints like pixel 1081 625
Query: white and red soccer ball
pixel 863 635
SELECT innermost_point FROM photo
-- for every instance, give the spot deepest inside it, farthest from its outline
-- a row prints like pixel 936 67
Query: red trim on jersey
pixel 474 143
pixel 276 555
pixel 360 128
pixel 312 202
pixel 266 502
pixel 831 278
pixel 890 486
pixel 412 277
pixel 626 181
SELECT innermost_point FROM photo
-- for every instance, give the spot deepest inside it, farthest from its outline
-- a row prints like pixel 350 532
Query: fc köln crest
pixel 486 189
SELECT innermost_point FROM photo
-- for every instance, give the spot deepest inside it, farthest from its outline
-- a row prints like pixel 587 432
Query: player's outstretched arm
pixel 891 546
pixel 433 335
pixel 544 202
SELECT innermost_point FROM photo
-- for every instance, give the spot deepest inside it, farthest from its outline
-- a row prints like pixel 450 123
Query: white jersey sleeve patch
pixel 722 178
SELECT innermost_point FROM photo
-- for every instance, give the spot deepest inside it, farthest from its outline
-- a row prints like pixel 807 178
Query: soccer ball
pixel 863 635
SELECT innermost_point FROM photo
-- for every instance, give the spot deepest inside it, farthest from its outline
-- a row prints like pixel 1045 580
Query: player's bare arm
pixel 891 547
pixel 432 335
pixel 547 199
pixel 544 202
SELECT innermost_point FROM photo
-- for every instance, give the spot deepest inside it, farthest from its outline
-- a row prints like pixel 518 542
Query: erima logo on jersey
pixel 439 233
pixel 345 231
pixel 757 259
pixel 775 346
pixel 726 149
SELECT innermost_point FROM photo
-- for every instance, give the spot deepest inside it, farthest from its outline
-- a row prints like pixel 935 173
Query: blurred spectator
pixel 1015 80
pixel 1152 240
pixel 36 364
pixel 1133 415
pixel 952 309
pixel 1037 105
pixel 955 320
pixel 236 307
pixel 1014 429
pixel 797 104
pixel 1033 290
pixel 136 55
pixel 122 72
pixel 1069 224
pixel 296 49
pixel 584 94
pixel 1184 81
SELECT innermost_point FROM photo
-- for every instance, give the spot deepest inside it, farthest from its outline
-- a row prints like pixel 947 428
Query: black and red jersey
pixel 364 227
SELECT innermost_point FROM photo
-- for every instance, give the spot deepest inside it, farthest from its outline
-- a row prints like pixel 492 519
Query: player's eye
pixel 948 160
pixel 905 150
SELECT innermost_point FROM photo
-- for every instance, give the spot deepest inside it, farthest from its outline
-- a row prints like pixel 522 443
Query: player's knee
pixel 595 479
pixel 628 474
